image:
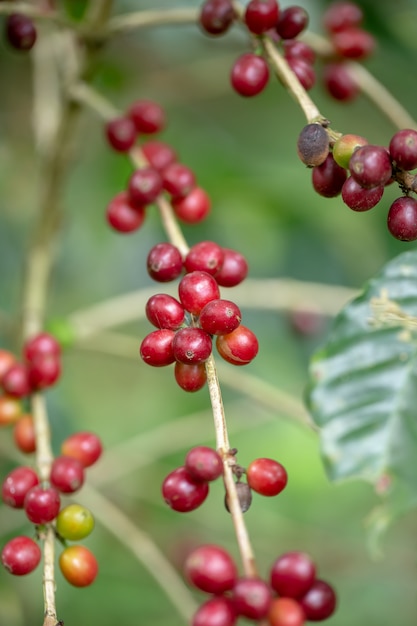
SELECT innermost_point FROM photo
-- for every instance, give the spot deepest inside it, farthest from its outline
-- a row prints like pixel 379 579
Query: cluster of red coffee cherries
pixel 163 174
pixel 292 595
pixel 20 31
pixel 360 171
pixel 186 326
pixel 22 488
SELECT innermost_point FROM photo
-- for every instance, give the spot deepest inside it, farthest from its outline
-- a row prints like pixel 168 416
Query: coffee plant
pixel 180 187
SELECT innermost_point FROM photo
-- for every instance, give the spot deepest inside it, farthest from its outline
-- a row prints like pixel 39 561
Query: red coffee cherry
pixel 42 504
pixel 182 493
pixel 218 611
pixel 339 82
pixel 144 186
pixel 370 166
pixel 159 154
pixel 402 219
pixel 190 377
pixel 121 134
pixel 252 598
pixel 192 208
pixel 296 49
pixel 341 15
pixel 234 269
pixel 220 317
pixel 211 569
pixel 292 21
pixel 67 474
pixel 16 381
pixel 164 262
pixel 205 256
pixel 20 31
pixel 10 410
pixel 261 15
pixel 20 556
pixel 16 485
pixel 286 612
pixel 78 566
pixel 249 75
pixel 216 16
pixel 164 311
pixel 293 574
pixel 319 602
pixel 203 463
pixel 191 345
pixel 147 116
pixel 304 72
pixel 353 43
pixel 239 347
pixel 41 345
pixel 359 199
pixel 196 289
pixel 328 178
pixel 156 348
pixel 178 180
pixel 43 372
pixel 266 476
pixel 403 149
pixel 24 434
pixel 122 216
pixel 84 446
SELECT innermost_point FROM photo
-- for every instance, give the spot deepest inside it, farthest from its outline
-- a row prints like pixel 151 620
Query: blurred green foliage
pixel 244 154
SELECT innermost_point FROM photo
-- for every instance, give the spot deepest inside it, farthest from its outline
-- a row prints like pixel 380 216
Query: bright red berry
pixel 122 216
pixel 261 15
pixel 216 16
pixel 194 207
pixel 206 256
pixel 204 463
pixel 292 21
pixel 67 474
pixel 42 504
pixel 148 117
pixel 211 569
pixel 84 446
pixel 191 345
pixel 190 377
pixel 78 565
pixel 164 311
pixel 218 611
pixel 252 598
pixel 43 371
pixel 7 359
pixel 402 219
pixel 234 269
pixel 249 75
pixel 15 381
pixel 293 574
pixel 239 347
pixel 220 317
pixel 319 602
pixel 182 493
pixel 178 180
pixel 266 476
pixel 159 154
pixel 121 134
pixel 164 262
pixel 21 555
pixel 286 612
pixel 403 149
pixel 16 485
pixel 41 345
pixel 145 185
pixel 196 289
pixel 156 348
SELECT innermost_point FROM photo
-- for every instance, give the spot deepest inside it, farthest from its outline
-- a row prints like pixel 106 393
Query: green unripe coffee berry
pixel 345 146
pixel 74 522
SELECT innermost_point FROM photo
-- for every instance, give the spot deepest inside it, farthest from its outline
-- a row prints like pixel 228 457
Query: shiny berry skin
pixel 313 145
pixel 16 485
pixel 345 146
pixel 147 116
pixel 292 21
pixel 353 43
pixel 7 359
pixel 328 178
pixel 78 566
pixel 10 410
pixel 178 180
pixel 158 154
pixel 164 262
pixel 402 219
pixel 192 208
pixel 41 345
pixel 67 474
pixel 217 611
pixel 341 15
pixel 84 446
pixel 234 269
pixel 216 16
pixel 249 75
pixel 21 555
pixel 339 82
pixel 190 377
pixel 206 256
pixel 122 216
pixel 24 434
pixel 220 317
pixel 286 612
pixel 74 522
pixel 292 574
pixel 252 598
pixel 43 371
pixel 42 504
pixel 403 149
pixel 261 15
pixel 266 476
pixel 121 134
pixel 15 381
pixel 203 463
pixel 182 493
pixel 370 166
pixel 144 186
pixel 296 49
pixel 191 345
pixel 239 347
pixel 156 348
pixel 304 72
pixel 359 199
pixel 196 289
pixel 164 311
pixel 20 32
pixel 319 602
pixel 211 569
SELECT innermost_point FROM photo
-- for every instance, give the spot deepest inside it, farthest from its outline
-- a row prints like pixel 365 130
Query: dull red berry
pixel 341 15
pixel 403 149
pixel 304 72
pixel 24 434
pixel 216 16
pixel 252 598
pixel 292 21
pixel 192 208
pixel 359 199
pixel 145 185
pixel 218 611
pixel 204 463
pixel 319 602
pixel 190 377
pixel 261 15
pixel 148 117
pixel 292 574
pixel 370 166
pixel 353 43
pixel 339 82
pixel 402 219
pixel 328 178
pixel 122 216
pixel 211 569
pixel 20 31
pixel 182 493
pixel 121 134
pixel 178 180
pixel 234 269
pixel 159 154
